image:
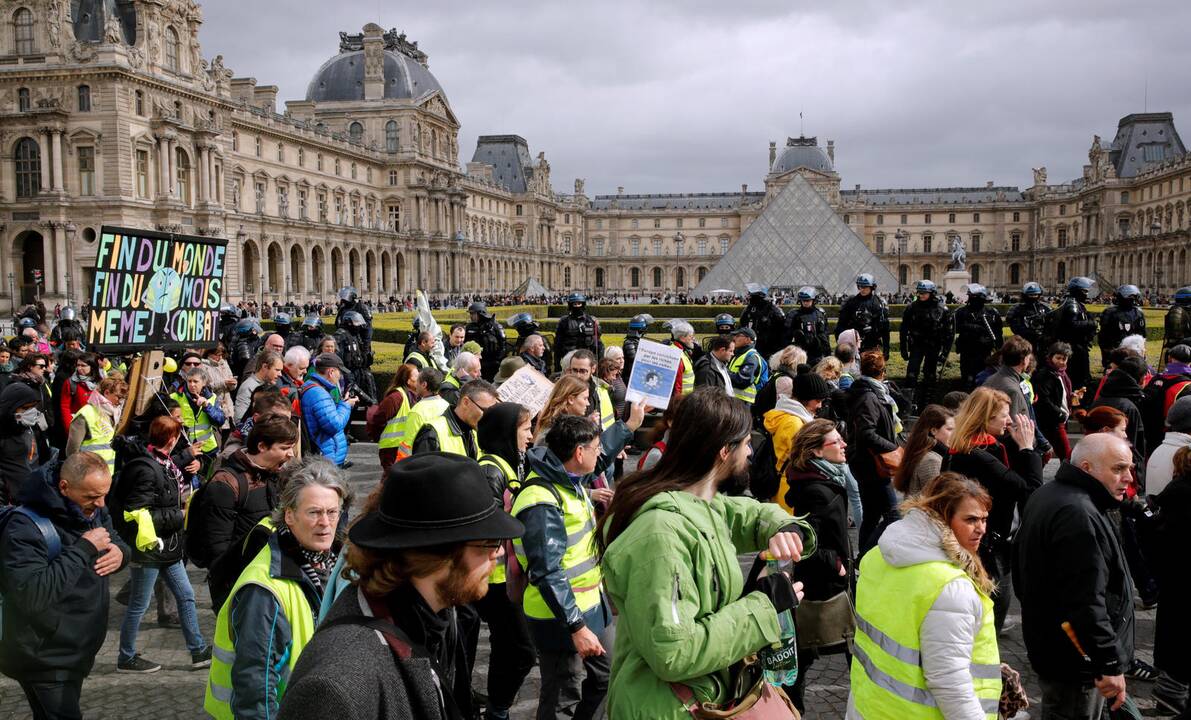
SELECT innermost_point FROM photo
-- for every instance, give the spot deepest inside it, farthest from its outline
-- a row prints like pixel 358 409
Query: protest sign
pixel 526 387
pixel 655 368
pixel 155 290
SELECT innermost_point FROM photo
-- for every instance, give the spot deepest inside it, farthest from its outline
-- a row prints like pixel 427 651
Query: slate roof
pixel 509 157
pixel 802 152
pixel 90 18
pixel 677 201
pixel 1144 139
pixel 935 196
pixel 342 78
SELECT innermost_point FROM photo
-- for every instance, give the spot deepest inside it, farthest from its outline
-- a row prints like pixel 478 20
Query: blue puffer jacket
pixel 325 419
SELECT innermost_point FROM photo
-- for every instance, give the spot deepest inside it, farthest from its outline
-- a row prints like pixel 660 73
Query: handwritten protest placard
pixel 155 290
pixel 527 387
pixel 654 370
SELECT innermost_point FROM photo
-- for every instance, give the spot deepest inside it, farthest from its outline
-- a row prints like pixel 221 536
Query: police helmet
pixel 1128 292
pixel 864 280
pixel 1080 286
pixel 1031 289
pixel 724 320
pixel 478 307
pixel 521 318
pixel 352 319
pixel 1182 296
pixel 976 290
pixel 756 289
pixel 576 297
pixel 282 320
pixel 68 313
pixel 348 294
pixel 27 322
pixel 312 322
pixel 925 286
pixel 246 327
pixel 806 292
pixel 640 322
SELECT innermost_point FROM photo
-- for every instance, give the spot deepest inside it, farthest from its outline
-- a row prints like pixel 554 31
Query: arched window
pixel 1015 274
pixel 23 102
pixel 84 98
pixel 392 136
pixel 171 50
pixel 975 270
pixel 22 31
pixel 27 155
pixel 1061 274
pixel 926 272
pixel 701 273
pixel 903 274
pixel 599 277
pixel 679 279
pixel 657 277
pixel 182 162
pixel 635 277
pixel 355 131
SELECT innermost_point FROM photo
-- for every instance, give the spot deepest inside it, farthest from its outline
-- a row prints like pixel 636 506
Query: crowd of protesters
pixel 622 585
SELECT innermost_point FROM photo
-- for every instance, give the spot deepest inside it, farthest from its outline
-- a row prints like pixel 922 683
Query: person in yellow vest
pixel 568 612
pixel 747 369
pixel 505 432
pixel 926 643
pixel 682 336
pixel 428 407
pixel 454 431
pixel 419 356
pixel 386 424
pixel 269 616
pixel 582 364
pixel 466 366
pixel 94 425
pixel 201 414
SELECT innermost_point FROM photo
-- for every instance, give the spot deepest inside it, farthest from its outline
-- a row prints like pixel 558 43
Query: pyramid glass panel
pixel 797 240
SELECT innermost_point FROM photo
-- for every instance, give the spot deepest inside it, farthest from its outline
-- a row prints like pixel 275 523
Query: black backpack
pixel 764 477
pixel 306 442
pixel 198 549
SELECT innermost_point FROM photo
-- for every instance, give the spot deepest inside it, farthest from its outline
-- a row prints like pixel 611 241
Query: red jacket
pixel 73 397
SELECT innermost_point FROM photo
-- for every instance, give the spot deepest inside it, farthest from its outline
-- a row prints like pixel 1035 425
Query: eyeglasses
pixel 43 366
pixel 315 514
pixel 191 364
pixel 489 546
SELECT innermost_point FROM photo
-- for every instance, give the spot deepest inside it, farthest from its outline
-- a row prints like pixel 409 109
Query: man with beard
pixel 1120 319
pixel 391 645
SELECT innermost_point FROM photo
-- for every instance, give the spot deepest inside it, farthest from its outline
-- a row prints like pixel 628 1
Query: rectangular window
pixel 319 161
pixel 679 223
pixel 926 218
pixel 355 212
pixel 353 171
pixel 1062 209
pixel 975 243
pixel 975 217
pixel 1015 242
pixel 301 157
pixel 140 107
pixel 337 166
pixel 322 207
pixel 723 222
pixel 723 246
pixel 338 209
pixel 927 241
pixel 84 98
pixel 905 219
pixel 1016 217
pixel 701 244
pixel 847 219
pixel 951 217
pixel 280 152
pixel 1125 197
pixel 880 244
pixel 702 222
pixel 142 173
pixel 657 247
pixel 599 224
pixel 258 147
pixel 392 177
pixel 634 224
pixel 395 218
pixel 1062 237
pixel 635 247
pixel 520 211
pixel 880 219
pixel 260 197
pixel 86 170
pixel 302 204
pixel 599 247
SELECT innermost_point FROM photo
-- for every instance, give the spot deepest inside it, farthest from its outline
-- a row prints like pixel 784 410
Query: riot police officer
pixel 1119 320
pixel 311 335
pixel 246 340
pixel 577 329
pixel 355 350
pixel 867 314
pixel 807 326
pixel 68 328
pixel 349 301
pixel 485 330
pixel 926 335
pixel 979 332
pixel 1028 318
pixel 1178 320
pixel 766 319
pixel 283 325
pixel 229 315
pixel 1072 324
pixel 637 327
pixel 411 342
pixel 525 326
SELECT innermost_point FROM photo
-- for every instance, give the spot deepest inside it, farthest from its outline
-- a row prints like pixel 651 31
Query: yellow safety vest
pixel 99 434
pixel 579 562
pixel 418 359
pixel 198 428
pixel 607 409
pixel 749 393
pixel 223 654
pixel 423 410
pixel 450 381
pixel 887 679
pixel 394 431
pixel 500 572
pixel 448 441
pixel 688 374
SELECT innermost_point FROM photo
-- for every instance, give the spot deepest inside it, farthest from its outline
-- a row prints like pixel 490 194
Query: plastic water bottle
pixel 780 660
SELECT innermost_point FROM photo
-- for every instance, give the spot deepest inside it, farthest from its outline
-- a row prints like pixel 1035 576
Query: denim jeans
pixel 176 579
pixel 1070 701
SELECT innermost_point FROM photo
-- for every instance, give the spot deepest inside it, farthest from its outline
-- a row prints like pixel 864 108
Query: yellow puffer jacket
pixel 783 422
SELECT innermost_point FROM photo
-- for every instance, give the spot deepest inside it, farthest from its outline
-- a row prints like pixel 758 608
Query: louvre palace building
pixel 112 114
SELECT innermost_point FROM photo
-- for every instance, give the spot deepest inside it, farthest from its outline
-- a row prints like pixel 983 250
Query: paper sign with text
pixel 526 387
pixel 655 368
pixel 155 290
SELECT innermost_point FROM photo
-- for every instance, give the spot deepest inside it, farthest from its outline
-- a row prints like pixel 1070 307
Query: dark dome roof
pixel 90 19
pixel 802 152
pixel 342 78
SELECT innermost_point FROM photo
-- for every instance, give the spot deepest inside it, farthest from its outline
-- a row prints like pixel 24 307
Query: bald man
pixel 1070 569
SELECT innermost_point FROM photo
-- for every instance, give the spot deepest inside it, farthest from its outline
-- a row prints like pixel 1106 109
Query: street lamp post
pixel 1155 230
pixel 900 237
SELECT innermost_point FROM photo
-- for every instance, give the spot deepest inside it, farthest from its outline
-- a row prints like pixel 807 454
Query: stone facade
pixel 110 114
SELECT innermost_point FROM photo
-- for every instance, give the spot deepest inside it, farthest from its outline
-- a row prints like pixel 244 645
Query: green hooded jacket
pixel 684 619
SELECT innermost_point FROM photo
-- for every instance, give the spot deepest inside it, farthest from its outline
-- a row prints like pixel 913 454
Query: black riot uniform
pixel 926 333
pixel 637 326
pixel 525 326
pixel 867 315
pixel 1119 320
pixel 311 335
pixel 229 315
pixel 1178 320
pixel 355 350
pixel 806 325
pixel 1028 318
pixel 766 319
pixel 68 328
pixel 979 332
pixel 485 330
pixel 246 340
pixel 283 326
pixel 576 330
pixel 349 301
pixel 1072 324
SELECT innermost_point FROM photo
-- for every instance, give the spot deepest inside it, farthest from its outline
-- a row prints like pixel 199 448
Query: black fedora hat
pixel 434 499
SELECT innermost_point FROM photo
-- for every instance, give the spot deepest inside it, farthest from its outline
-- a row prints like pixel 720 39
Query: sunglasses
pixel 191 364
pixel 40 365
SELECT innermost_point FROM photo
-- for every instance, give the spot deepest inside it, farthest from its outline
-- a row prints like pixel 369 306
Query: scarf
pixel 886 398
pixel 1177 368
pixel 171 470
pixel 315 565
pixel 840 473
pixel 105 406
pixel 84 381
pixel 987 442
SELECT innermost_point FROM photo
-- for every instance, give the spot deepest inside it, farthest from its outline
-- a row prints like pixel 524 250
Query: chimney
pixel 831 151
pixel 374 62
pixel 620 190
pixel 772 152
pixel 744 188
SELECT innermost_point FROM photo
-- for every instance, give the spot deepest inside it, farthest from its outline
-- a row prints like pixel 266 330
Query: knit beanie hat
pixel 1179 417
pixel 808 385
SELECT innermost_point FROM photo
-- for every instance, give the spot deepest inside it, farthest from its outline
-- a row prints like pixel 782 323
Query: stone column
pixel 45 159
pixel 171 159
pixel 58 164
pixel 307 271
pixel 203 176
pixel 58 243
pixel 163 166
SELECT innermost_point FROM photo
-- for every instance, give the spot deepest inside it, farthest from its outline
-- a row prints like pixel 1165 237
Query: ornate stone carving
pixel 54 13
pixel 959 254
pixel 1040 175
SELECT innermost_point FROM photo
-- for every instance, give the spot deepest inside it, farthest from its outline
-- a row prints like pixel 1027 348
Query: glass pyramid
pixel 797 240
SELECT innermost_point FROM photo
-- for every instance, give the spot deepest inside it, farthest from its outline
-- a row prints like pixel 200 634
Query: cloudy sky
pixel 685 95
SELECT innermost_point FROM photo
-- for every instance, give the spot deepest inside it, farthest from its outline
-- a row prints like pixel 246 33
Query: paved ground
pixel 177 692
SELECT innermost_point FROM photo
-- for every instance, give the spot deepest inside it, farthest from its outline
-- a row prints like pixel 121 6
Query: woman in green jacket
pixel 668 550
